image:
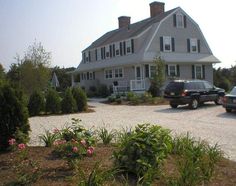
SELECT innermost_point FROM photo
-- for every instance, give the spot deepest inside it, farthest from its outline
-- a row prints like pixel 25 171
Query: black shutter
pixel 188 45
pixel 96 54
pixel 185 21
pixel 161 44
pixel 121 49
pixel 132 45
pixel 199 45
pixel 147 71
pixel 193 72
pixel 124 47
pixel 178 72
pixel 113 50
pixel 87 75
pixel 84 57
pixel 174 20
pixel 166 70
pixel 102 53
pixel 203 71
pixel 110 47
pixel 173 44
pixel 89 56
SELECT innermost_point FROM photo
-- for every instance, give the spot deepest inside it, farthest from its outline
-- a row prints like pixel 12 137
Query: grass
pixel 56 171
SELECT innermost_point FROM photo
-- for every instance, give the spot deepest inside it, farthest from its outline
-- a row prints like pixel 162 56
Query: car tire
pixel 228 110
pixel 173 105
pixel 219 100
pixel 194 104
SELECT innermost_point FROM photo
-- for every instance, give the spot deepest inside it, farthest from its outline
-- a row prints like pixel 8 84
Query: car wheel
pixel 173 105
pixel 194 104
pixel 228 110
pixel 219 100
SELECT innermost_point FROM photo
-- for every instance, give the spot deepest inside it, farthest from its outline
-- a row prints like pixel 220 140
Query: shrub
pixel 144 150
pixel 130 95
pixel 53 102
pixel 105 135
pixel 36 103
pixel 80 98
pixel 68 104
pixel 13 116
pixel 103 91
pixel 48 138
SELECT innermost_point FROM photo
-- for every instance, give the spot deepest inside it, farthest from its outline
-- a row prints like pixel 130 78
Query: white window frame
pixel 107 50
pixel 117 47
pixel 119 70
pixel 86 56
pixel 90 75
pixel 169 70
pixel 150 71
pixel 195 69
pixel 193 40
pixel 179 17
pixel 107 74
pixel 128 45
pixel 99 55
pixel 165 38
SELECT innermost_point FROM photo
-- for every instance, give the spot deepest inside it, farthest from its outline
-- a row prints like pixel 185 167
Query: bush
pixel 103 91
pixel 80 98
pixel 13 116
pixel 36 103
pixel 144 150
pixel 68 104
pixel 53 102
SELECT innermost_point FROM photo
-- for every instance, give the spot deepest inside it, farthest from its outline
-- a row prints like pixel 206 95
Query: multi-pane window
pixel 118 73
pixel 172 71
pixel 90 75
pixel 152 71
pixel 193 45
pixel 180 20
pixel 117 49
pixel 167 43
pixel 198 72
pixel 99 57
pixel 107 51
pixel 108 74
pixel 128 46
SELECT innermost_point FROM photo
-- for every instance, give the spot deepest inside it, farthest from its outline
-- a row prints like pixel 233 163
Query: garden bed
pixel 55 171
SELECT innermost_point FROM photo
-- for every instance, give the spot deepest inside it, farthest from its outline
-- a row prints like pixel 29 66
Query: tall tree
pixel 2 72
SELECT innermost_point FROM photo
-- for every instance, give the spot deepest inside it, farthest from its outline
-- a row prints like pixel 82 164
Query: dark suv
pixel 192 92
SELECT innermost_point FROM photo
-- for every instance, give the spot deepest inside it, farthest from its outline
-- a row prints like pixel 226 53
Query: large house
pixel 124 56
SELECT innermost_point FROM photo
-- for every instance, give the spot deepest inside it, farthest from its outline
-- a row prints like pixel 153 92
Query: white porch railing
pixel 120 86
pixel 136 85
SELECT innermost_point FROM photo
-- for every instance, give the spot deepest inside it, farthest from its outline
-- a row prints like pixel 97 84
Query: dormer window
pixel 99 54
pixel 128 47
pixel 180 21
pixel 107 51
pixel 117 49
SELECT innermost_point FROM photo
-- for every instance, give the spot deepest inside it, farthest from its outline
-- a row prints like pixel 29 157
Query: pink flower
pixel 21 146
pixel 12 141
pixel 75 149
pixel 90 151
pixel 55 131
pixel 83 142
pixel 59 142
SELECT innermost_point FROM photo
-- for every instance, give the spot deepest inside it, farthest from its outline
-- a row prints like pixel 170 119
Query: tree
pixel 13 116
pixel 157 81
pixel 36 103
pixel 68 104
pixel 80 98
pixel 2 72
pixel 53 102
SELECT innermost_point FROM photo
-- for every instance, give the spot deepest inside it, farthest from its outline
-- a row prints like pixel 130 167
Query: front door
pixel 138 72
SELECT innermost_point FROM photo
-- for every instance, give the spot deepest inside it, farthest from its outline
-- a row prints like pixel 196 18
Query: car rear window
pixel 233 92
pixel 175 86
pixel 194 86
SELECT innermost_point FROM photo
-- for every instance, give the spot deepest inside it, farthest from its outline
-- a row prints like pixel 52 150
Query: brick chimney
pixel 124 21
pixel 156 8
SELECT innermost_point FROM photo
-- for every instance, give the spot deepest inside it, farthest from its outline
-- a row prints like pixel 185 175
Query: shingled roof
pixel 128 32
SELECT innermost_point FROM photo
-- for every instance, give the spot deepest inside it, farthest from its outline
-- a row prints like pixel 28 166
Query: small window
pixel 152 71
pixel 180 21
pixel 84 74
pixel 117 49
pixel 107 51
pixel 99 54
pixel 167 43
pixel 108 74
pixel 172 70
pixel 128 47
pixel 90 75
pixel 193 45
pixel 198 72
pixel 118 73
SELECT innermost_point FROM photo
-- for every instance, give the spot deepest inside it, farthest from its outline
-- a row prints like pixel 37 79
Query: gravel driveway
pixel 209 122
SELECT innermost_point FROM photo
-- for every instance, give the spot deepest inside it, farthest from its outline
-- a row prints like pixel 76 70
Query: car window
pixel 175 86
pixel 208 85
pixel 233 92
pixel 189 86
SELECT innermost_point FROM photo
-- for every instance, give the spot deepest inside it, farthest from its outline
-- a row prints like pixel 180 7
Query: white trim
pixel 195 71
pixel 164 43
pixel 177 25
pixel 114 72
pixel 135 71
pixel 108 69
pixel 191 46
pixel 169 65
pixel 151 65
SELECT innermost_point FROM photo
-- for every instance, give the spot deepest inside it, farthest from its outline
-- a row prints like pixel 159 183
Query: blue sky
pixel 66 27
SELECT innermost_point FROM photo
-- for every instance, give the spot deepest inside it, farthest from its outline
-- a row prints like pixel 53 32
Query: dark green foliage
pixel 103 91
pixel 68 104
pixel 2 72
pixel 53 102
pixel 13 116
pixel 143 150
pixel 36 103
pixel 80 98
